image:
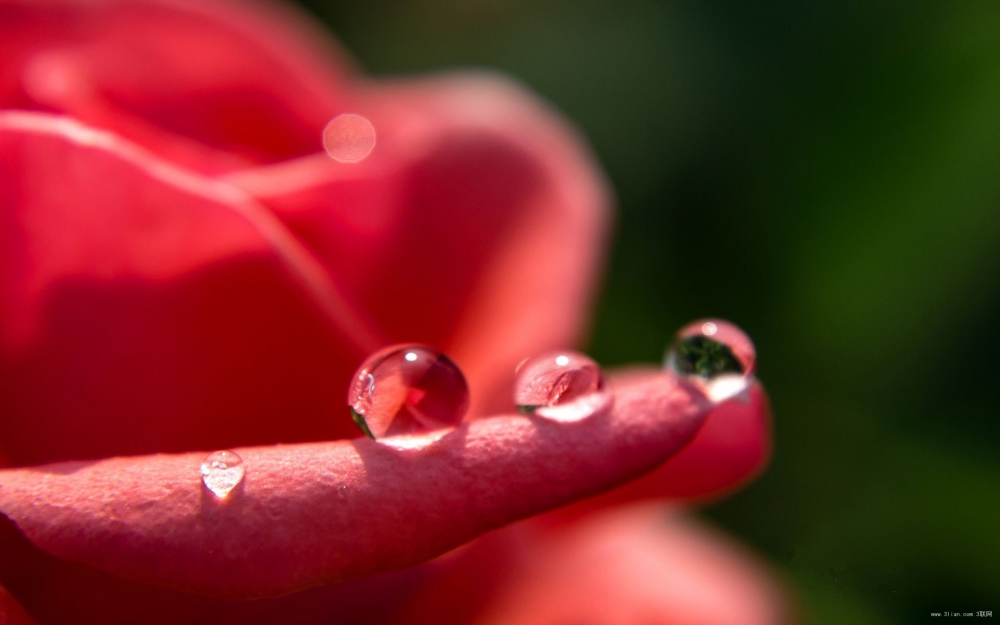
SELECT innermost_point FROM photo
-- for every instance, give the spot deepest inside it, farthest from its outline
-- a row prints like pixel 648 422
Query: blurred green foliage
pixel 826 175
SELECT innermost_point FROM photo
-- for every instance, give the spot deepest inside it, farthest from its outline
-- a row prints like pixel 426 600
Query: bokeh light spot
pixel 349 138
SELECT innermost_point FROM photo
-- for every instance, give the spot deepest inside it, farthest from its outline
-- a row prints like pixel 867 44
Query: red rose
pixel 183 269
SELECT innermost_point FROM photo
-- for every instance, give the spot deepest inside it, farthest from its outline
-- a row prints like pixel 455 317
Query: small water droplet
pixel 563 386
pixel 221 472
pixel 407 390
pixel 349 138
pixel 716 355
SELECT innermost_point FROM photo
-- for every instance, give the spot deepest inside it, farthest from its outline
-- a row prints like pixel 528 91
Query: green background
pixel 826 175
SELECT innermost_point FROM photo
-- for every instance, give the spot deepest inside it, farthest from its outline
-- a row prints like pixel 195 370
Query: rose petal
pixel 145 308
pixel 477 224
pixel 471 577
pixel 730 449
pixel 176 75
pixel 60 591
pixel 320 513
pixel 11 612
pixel 636 565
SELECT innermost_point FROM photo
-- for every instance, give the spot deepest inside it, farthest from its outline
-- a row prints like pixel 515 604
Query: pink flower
pixel 183 269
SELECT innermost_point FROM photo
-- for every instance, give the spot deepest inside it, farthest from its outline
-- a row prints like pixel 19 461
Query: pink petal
pixel 477 224
pixel 210 84
pixel 144 308
pixel 60 591
pixel 637 566
pixel 321 513
pixel 731 449
pixel 11 612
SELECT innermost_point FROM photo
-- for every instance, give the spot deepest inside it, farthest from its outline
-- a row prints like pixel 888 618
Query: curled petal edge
pixel 312 514
pixel 730 450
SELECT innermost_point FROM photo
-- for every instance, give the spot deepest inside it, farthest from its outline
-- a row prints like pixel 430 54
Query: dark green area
pixel 359 420
pixel 704 357
pixel 827 176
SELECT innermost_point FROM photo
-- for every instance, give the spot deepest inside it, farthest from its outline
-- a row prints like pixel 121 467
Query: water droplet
pixel 349 138
pixel 221 472
pixel 716 355
pixel 563 386
pixel 406 390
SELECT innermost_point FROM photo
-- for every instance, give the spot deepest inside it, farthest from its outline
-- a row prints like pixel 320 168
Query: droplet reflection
pixel 563 386
pixel 407 390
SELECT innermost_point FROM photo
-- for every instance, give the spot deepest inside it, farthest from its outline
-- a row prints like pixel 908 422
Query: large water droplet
pixel 563 386
pixel 221 472
pixel 349 138
pixel 407 389
pixel 716 355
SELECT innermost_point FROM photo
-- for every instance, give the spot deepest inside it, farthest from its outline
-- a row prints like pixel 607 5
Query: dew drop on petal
pixel 407 390
pixel 221 472
pixel 563 386
pixel 716 355
pixel 349 138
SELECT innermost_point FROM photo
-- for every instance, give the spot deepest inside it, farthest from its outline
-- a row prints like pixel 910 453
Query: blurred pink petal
pixel 638 565
pixel 146 308
pixel 11 612
pixel 61 591
pixel 212 85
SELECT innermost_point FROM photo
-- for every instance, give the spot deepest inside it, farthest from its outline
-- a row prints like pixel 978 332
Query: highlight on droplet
pixel 349 138
pixel 221 472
